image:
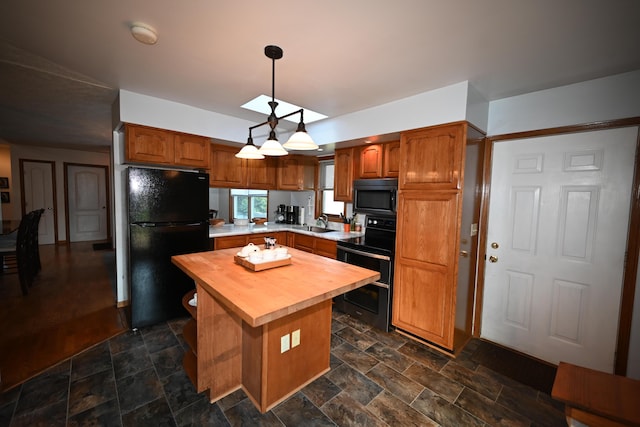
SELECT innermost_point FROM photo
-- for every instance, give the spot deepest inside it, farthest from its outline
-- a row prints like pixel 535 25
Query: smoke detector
pixel 144 33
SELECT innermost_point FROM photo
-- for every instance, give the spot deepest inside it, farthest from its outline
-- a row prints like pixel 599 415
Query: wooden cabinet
pixel 371 161
pixel 191 150
pixel 432 159
pixel 391 159
pixel 432 297
pixel 297 172
pixel 226 242
pixel 315 245
pixel 149 145
pixel 262 174
pixel 163 147
pixel 228 171
pixel 343 175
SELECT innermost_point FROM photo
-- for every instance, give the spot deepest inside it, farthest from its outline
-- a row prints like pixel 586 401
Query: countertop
pixel 234 230
pixel 263 296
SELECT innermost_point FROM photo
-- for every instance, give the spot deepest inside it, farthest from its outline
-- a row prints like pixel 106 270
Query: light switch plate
pixel 284 343
pixel 295 338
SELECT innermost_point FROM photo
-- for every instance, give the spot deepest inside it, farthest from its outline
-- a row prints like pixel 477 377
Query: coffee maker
pixel 281 214
pixel 293 214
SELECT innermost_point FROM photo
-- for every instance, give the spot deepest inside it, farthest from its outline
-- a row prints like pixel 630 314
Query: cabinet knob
pixel 495 245
pixel 493 259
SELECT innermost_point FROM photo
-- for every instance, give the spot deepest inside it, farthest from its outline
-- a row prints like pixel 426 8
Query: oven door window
pixel 375 264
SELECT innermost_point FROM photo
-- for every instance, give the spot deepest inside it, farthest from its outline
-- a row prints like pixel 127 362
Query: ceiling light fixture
pixel 144 33
pixel 300 140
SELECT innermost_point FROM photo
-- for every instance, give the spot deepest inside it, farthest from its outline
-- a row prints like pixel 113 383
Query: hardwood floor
pixel 70 307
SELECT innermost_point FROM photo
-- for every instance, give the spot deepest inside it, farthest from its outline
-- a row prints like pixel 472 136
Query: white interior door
pixel 38 184
pixel 87 199
pixel 558 214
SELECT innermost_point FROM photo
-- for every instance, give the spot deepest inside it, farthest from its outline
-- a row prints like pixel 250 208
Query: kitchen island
pixel 267 332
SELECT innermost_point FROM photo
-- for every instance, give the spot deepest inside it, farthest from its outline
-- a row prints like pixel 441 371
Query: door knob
pixel 464 254
pixel 493 258
pixel 495 245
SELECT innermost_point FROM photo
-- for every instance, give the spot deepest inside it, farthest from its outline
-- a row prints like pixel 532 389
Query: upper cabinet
pixel 379 160
pixel 292 172
pixel 343 175
pixel 391 159
pixel 432 158
pixel 262 174
pixel 371 161
pixel 163 147
pixel 297 172
pixel 191 150
pixel 227 170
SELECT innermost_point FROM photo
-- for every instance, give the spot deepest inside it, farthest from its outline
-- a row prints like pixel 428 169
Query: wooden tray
pixel 262 265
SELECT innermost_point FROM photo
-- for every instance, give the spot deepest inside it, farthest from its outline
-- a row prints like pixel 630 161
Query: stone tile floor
pixel 376 379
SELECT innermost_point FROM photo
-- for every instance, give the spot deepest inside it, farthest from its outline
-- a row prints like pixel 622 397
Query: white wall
pixel 608 98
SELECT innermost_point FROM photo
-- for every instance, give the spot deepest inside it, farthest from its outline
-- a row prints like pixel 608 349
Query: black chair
pixel 34 246
pixel 22 252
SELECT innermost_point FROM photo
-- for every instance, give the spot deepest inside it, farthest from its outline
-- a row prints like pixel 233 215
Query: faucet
pixel 324 220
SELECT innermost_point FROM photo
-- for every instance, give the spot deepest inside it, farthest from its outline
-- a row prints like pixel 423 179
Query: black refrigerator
pixel 168 215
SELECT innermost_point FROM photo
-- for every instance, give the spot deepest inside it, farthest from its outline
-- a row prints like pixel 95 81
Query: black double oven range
pixel 375 250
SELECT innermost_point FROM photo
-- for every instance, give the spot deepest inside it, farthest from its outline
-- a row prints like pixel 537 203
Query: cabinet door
pixel 261 174
pixel 226 170
pixel 325 247
pixel 192 150
pixel 229 242
pixel 432 158
pixel 303 242
pixel 149 145
pixel 343 175
pixel 391 159
pixel 290 172
pixel 426 265
pixel 371 161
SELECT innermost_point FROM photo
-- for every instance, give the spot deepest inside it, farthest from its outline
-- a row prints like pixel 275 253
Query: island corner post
pixel 266 332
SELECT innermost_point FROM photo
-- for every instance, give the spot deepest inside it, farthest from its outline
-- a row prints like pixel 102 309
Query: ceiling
pixel 62 62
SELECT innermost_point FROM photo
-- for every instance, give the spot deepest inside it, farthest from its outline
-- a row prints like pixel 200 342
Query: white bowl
pixel 268 254
pixel 241 221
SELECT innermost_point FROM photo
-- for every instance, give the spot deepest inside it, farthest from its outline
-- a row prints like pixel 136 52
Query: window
pixel 329 206
pixel 249 203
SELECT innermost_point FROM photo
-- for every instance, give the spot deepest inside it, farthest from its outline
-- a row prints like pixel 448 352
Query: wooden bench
pixel 595 398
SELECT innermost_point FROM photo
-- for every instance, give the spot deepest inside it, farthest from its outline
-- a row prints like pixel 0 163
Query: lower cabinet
pixel 315 245
pixel 303 242
pixel 227 242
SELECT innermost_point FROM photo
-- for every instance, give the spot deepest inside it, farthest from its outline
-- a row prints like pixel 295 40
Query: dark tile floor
pixel 376 379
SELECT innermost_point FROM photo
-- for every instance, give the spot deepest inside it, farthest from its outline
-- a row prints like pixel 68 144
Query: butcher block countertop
pixel 260 297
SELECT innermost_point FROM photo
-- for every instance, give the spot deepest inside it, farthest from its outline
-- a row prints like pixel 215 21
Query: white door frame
pixel 633 238
pixel 66 195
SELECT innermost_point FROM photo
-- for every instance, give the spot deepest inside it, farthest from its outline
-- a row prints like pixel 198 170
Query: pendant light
pixel 300 140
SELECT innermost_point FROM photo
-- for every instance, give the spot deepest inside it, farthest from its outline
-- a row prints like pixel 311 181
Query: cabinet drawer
pixel 229 242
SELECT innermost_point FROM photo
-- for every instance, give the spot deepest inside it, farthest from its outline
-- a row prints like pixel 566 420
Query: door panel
pixel 38 193
pixel 87 203
pixel 559 210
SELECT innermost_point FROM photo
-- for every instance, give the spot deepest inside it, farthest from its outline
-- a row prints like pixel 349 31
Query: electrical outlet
pixel 284 343
pixel 295 338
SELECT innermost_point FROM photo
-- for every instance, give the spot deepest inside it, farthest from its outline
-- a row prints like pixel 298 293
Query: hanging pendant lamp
pixel 300 140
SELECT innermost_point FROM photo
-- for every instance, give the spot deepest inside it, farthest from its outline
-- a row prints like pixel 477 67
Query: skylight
pixel 260 104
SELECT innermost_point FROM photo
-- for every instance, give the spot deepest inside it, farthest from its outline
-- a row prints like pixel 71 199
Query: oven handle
pixel 363 253
pixel 380 285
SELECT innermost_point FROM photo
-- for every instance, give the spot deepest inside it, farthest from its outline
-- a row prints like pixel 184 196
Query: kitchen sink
pixel 318 229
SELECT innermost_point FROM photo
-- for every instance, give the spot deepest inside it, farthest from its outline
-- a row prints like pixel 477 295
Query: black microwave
pixel 375 196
